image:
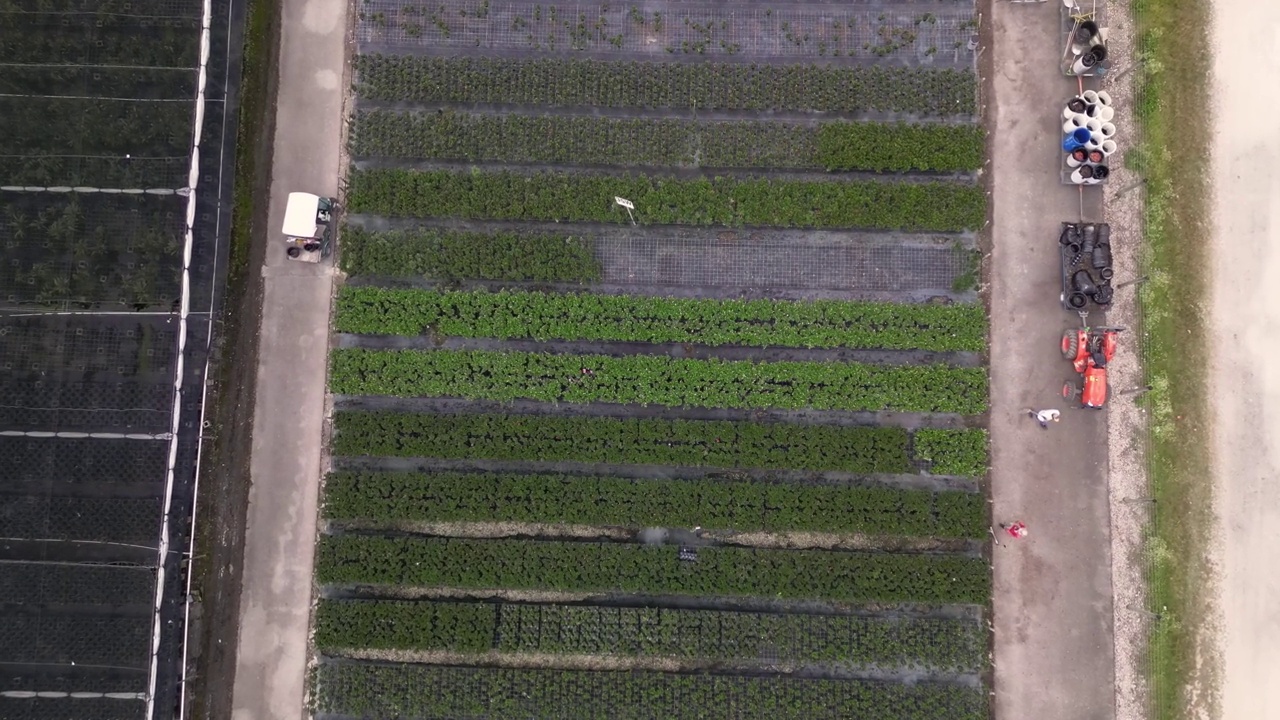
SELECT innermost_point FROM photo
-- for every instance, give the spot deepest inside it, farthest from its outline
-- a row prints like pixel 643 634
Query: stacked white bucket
pixel 1092 111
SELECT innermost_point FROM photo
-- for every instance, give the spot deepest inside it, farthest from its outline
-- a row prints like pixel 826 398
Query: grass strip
pixel 692 86
pixel 712 503
pixel 710 635
pixel 630 318
pixel 646 441
pixel 453 255
pixel 589 197
pixel 378 690
pixel 650 569
pixel 658 380
pixel 1174 159
pixel 665 142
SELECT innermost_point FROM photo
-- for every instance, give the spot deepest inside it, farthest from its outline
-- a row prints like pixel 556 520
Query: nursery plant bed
pixel 891 33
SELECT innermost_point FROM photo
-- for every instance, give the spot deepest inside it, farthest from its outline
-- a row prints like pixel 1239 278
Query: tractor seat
pixel 1099 360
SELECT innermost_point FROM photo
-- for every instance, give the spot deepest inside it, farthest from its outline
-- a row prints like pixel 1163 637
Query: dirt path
pixel 288 413
pixel 1245 375
pixel 1054 653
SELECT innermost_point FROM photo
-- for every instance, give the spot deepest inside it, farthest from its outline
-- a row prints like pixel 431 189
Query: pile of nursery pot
pixel 1089 136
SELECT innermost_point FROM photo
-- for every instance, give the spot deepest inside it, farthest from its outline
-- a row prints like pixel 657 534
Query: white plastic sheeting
pixel 193 182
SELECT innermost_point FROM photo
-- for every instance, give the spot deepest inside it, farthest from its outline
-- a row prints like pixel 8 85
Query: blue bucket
pixel 1075 140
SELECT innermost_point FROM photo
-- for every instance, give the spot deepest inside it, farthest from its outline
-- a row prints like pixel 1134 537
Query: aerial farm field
pixel 719 458
pixel 98 313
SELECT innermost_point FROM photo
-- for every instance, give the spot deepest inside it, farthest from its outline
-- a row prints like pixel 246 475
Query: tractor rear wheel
pixel 1070 344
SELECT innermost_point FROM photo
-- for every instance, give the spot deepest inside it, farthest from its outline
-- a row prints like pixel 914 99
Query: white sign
pixel 624 203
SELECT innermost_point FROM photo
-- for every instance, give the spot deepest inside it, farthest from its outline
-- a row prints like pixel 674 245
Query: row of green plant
pixel 102 11
pixel 422 691
pixel 661 142
pixel 141 84
pixel 589 197
pixel 900 147
pixel 454 255
pixel 756 323
pixel 658 380
pixel 75 38
pixel 695 86
pixel 650 569
pixel 382 498
pixel 708 635
pixel 693 443
pixel 90 171
pixel 97 126
pixel 91 248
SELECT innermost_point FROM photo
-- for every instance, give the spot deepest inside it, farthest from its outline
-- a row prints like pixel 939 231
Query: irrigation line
pixel 66 66
pixel 89 190
pixel 73 664
pixel 96 13
pixel 78 542
pixel 99 97
pixel 41 156
pixel 82 435
pixel 193 182
pixel 98 313
pixel 75 694
pixel 74 563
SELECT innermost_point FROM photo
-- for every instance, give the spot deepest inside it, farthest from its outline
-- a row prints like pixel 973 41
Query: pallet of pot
pixel 1094 104
pixel 1086 264
pixel 1095 157
pixel 1083 288
pixel 1086 35
pixel 1090 174
pixel 1083 138
pixel 1099 130
pixel 1087 61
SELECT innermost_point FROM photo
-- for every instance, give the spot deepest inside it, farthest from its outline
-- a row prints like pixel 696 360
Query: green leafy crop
pixel 758 323
pixel 658 380
pixel 651 569
pixel 694 443
pixel 588 197
pixel 379 498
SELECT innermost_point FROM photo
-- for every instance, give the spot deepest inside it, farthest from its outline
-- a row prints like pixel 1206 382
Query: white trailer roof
pixel 300 215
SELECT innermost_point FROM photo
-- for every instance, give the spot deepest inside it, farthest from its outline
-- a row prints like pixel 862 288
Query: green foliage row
pixel 711 503
pixel 100 38
pixel 108 126
pixel 665 142
pixel 911 643
pixel 453 255
pixel 589 197
pixel 650 569
pixel 389 625
pixel 702 86
pixel 658 380
pixel 429 691
pixel 900 147
pixel 952 452
pixel 756 323
pixel 693 443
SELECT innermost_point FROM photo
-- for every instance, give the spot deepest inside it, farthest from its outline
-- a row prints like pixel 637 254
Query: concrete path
pixel 289 414
pixel 1245 377
pixel 1054 653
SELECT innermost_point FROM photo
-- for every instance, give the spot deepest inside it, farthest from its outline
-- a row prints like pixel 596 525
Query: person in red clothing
pixel 1016 530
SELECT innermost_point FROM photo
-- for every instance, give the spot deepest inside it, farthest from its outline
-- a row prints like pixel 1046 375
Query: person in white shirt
pixel 1044 417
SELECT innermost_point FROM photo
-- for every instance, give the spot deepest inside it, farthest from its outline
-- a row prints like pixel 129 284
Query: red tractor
pixel 1089 350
